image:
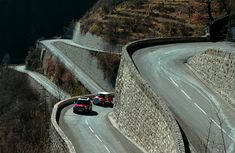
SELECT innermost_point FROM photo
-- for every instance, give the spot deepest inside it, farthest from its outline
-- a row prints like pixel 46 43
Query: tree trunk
pixel 225 7
pixel 209 10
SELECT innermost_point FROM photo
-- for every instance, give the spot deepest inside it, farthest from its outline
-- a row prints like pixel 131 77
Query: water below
pixel 22 22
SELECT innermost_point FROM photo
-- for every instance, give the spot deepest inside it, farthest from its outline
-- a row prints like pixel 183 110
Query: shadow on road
pixel 92 113
pixel 106 105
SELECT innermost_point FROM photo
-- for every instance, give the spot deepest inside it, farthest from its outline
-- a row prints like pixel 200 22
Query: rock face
pixel 87 60
pixel 142 115
pixel 94 41
pixel 217 69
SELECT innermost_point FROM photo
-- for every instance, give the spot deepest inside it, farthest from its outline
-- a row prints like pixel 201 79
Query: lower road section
pixel 93 133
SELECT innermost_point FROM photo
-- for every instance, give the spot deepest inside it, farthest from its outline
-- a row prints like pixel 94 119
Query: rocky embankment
pixel 216 68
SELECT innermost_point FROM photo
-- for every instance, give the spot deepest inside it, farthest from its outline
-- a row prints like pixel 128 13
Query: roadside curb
pixel 111 119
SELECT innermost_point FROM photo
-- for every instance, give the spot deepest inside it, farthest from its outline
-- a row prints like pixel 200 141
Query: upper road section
pixel 89 83
pixel 204 117
pixel 89 133
pixel 45 82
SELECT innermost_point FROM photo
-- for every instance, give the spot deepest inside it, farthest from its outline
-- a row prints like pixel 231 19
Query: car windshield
pixel 101 95
pixel 82 101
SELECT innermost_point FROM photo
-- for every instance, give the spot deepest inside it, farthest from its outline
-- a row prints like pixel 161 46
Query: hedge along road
pixel 193 104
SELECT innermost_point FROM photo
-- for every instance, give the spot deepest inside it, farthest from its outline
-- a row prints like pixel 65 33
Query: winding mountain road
pixel 195 106
pixel 88 82
pixel 91 133
pixel 44 81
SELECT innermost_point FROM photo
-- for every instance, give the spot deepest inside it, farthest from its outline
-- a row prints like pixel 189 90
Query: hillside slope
pixel 24 114
pixel 128 20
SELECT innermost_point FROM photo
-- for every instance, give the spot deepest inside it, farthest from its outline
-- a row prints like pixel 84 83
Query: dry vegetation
pixel 32 61
pixel 24 116
pixel 127 20
pixel 55 71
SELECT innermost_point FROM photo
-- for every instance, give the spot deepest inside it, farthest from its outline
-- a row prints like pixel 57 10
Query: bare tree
pixel 210 141
pixel 225 6
pixel 221 131
pixel 208 2
pixel 208 137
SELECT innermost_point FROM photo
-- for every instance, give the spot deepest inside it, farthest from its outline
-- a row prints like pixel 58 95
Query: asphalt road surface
pixel 89 133
pixel 93 133
pixel 205 118
pixel 44 81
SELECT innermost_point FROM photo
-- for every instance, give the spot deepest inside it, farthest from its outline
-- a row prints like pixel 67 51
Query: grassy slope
pixel 138 19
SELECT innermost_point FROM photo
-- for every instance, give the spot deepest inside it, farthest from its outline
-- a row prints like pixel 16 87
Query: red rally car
pixel 82 105
pixel 103 98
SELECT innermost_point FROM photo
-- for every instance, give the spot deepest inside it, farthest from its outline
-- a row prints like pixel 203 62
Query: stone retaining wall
pixel 142 115
pixel 140 112
pixel 88 62
pixel 217 69
pixel 59 142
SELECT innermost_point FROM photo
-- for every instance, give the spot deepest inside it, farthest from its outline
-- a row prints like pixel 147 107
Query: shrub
pixel 32 61
pixel 58 73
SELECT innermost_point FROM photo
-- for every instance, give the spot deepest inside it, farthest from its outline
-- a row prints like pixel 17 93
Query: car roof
pixel 105 93
pixel 83 98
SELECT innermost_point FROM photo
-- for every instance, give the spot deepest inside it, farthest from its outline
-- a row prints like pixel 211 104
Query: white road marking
pixel 224 131
pixel 107 148
pixel 98 138
pixel 216 123
pixel 231 138
pixel 200 108
pixel 219 126
pixel 91 129
pixel 174 82
pixel 86 122
pixel 186 94
pixel 167 53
